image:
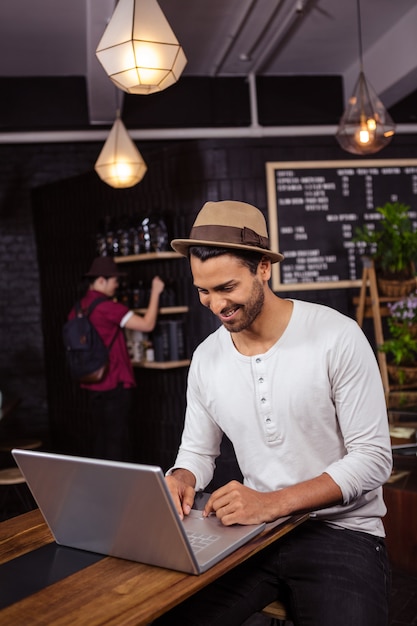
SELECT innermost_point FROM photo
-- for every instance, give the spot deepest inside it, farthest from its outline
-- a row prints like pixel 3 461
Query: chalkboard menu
pixel 314 208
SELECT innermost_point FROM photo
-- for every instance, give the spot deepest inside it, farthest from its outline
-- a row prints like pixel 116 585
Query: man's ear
pixel 264 268
pixel 99 282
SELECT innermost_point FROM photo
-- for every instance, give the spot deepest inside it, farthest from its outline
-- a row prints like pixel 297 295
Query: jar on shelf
pixel 155 234
pixel 101 243
pixel 123 237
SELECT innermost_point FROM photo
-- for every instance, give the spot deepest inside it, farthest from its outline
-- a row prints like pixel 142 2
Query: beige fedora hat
pixel 229 224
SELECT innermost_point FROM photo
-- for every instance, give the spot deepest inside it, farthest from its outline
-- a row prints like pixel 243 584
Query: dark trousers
pixel 328 577
pixel 111 411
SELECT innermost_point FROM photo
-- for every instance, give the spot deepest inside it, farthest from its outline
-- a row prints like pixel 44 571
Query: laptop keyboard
pixel 199 541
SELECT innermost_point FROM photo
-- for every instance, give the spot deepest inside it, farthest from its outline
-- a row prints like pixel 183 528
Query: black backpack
pixel 87 356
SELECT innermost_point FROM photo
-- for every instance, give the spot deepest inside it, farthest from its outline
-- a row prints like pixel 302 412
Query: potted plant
pixel 403 313
pixel 401 350
pixel 392 244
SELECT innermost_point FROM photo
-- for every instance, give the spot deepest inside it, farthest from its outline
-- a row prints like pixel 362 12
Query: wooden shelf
pixel 147 256
pixel 167 310
pixel 161 365
pixel 369 305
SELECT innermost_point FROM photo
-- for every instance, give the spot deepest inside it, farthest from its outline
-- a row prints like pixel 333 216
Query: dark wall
pixel 52 187
pixel 61 103
pixel 22 375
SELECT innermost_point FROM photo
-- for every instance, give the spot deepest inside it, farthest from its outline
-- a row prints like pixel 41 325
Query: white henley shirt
pixel 312 403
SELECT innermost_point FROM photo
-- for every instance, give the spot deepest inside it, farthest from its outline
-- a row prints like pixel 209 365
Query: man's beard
pixel 250 310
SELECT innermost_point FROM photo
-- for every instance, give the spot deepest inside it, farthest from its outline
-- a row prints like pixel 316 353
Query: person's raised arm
pixel 146 323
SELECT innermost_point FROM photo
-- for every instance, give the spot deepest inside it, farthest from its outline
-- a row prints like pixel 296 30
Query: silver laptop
pixel 124 510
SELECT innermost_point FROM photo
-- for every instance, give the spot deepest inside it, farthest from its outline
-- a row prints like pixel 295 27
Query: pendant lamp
pixel 139 50
pixel 120 163
pixel 366 126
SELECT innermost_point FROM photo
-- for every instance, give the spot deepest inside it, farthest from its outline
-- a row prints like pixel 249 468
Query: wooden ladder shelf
pixel 369 283
pixel 371 304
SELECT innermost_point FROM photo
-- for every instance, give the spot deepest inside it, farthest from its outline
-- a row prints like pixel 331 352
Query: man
pixel 296 388
pixel 111 399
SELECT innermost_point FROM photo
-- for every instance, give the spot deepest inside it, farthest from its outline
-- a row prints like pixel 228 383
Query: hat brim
pixel 112 275
pixel 182 246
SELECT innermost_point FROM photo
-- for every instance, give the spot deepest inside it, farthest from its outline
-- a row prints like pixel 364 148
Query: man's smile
pixel 229 313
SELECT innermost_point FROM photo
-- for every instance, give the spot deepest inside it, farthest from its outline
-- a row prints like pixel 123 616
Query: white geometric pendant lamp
pixel 139 50
pixel 120 163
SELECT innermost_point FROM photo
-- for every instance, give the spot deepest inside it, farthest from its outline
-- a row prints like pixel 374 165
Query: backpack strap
pixel 90 309
pixel 94 304
pixel 80 312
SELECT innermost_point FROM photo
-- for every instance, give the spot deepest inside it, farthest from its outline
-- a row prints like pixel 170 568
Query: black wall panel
pixel 181 177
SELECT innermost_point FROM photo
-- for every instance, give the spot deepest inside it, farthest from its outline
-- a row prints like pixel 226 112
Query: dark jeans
pixel 329 577
pixel 111 416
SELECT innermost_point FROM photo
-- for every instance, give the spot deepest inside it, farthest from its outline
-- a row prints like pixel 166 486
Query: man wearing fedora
pixel 111 399
pixel 296 388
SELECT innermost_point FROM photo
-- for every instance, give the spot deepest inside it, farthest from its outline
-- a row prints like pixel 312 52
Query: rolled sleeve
pixel 363 420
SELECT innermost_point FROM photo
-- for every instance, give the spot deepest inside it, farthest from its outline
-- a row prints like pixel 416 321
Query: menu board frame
pixel 273 213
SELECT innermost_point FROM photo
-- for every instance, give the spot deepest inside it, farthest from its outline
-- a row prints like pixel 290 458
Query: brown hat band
pixel 230 234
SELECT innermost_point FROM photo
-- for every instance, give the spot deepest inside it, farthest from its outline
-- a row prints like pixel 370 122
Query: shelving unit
pixel 369 306
pixel 147 256
pixel 169 310
pixel 161 365
pixel 375 306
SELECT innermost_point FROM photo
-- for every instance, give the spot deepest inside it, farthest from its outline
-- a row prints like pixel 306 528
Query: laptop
pixel 124 510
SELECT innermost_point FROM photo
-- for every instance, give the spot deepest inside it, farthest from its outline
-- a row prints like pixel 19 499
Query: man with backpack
pixel 111 397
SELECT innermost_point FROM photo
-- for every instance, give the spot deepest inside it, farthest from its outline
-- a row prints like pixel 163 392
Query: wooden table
pixel 112 591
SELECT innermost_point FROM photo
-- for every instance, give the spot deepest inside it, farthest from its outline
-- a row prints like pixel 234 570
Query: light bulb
pixel 363 135
pixel 366 131
pixel 123 171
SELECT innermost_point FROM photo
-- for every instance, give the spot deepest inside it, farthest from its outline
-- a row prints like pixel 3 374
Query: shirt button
pixel 263 400
pixel 258 360
pixel 261 380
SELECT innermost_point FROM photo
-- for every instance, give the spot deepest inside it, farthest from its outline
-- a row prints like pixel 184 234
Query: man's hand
pixel 181 486
pixel 236 504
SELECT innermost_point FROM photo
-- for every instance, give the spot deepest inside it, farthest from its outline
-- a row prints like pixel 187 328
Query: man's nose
pixel 216 303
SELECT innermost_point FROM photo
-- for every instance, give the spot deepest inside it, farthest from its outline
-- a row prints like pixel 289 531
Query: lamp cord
pixel 358 11
pixel 118 101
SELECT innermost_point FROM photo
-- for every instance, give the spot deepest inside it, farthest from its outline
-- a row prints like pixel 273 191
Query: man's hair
pixel 248 258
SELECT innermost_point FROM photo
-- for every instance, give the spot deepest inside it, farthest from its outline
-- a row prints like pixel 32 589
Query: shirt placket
pixel 263 398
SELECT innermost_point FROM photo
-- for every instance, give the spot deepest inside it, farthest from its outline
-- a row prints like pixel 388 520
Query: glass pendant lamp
pixel 366 126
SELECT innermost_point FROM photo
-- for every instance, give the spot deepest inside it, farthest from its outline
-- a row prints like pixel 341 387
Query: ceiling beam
pixel 165 134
